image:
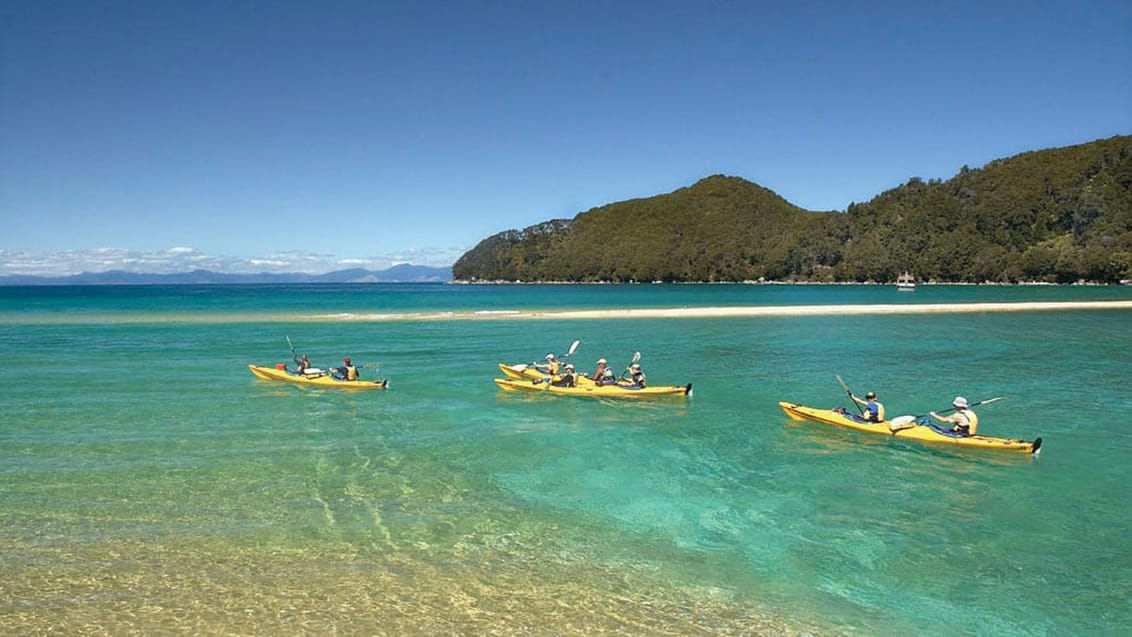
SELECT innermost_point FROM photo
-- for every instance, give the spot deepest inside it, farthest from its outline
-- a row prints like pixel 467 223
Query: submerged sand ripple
pixel 146 588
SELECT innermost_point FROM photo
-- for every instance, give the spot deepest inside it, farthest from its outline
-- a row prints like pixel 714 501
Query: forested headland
pixel 1059 215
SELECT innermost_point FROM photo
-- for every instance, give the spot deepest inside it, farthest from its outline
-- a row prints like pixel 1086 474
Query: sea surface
pixel 151 485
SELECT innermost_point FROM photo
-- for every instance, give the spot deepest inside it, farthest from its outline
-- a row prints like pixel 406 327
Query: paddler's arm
pixel 947 421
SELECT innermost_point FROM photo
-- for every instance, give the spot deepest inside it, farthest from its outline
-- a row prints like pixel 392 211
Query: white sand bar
pixel 819 310
pixel 521 315
pixel 742 311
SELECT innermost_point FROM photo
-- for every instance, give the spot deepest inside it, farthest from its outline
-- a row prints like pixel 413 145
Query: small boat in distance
pixel 906 282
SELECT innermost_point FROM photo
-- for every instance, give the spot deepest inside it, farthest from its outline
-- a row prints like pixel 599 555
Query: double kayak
pixel 906 427
pixel 315 380
pixel 589 389
pixel 530 372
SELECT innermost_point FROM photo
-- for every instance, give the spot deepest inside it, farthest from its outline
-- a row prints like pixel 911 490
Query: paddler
pixel 568 379
pixel 347 371
pixel 636 376
pixel 551 366
pixel 875 409
pixel 603 375
pixel 306 371
pixel 963 421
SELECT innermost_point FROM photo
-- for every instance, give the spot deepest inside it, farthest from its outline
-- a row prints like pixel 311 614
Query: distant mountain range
pixel 404 273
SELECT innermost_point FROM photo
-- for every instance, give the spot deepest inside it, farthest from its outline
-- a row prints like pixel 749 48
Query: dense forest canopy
pixel 1059 215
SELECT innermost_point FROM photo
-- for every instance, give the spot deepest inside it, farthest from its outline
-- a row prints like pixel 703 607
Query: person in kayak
pixel 603 375
pixel 347 371
pixel 303 367
pixel 568 379
pixel 551 366
pixel 963 422
pixel 874 408
pixel 636 376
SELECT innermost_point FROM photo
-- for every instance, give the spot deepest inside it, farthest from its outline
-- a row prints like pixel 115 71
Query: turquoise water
pixel 152 484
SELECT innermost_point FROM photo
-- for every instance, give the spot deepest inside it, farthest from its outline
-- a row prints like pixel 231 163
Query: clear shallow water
pixel 151 483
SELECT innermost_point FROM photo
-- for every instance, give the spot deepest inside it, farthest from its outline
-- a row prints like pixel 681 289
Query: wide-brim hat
pixel 959 402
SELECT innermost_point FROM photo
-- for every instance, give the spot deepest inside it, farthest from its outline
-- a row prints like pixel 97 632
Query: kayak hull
pixel 910 431
pixel 271 373
pixel 590 390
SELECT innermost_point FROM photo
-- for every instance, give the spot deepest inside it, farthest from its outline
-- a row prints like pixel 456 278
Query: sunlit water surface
pixel 151 484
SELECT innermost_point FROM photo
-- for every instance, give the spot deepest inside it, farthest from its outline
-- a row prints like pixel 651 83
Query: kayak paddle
pixel 850 393
pixel 981 402
pixel 573 348
pixel 903 422
pixel 636 358
pixel 294 356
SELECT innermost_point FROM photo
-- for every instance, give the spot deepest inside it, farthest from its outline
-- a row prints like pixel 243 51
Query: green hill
pixel 1057 215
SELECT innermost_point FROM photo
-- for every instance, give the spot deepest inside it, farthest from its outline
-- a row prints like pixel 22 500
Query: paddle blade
pixel 843 383
pixel 573 348
pixel 294 356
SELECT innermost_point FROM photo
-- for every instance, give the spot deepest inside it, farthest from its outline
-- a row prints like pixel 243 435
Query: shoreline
pixel 819 283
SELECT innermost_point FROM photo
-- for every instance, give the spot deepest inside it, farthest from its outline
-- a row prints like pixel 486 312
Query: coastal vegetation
pixel 1058 215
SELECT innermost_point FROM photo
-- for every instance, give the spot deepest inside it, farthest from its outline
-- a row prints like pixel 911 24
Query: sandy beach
pixel 817 310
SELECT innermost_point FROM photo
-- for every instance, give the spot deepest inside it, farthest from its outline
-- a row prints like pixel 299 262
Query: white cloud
pixel 185 259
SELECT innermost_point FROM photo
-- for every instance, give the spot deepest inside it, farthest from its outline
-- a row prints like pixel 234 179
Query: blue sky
pixel 304 136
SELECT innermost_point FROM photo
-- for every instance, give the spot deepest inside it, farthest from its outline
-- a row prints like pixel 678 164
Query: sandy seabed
pixel 149 587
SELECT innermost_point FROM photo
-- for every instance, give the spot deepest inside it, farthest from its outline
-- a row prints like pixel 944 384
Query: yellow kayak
pixel 323 380
pixel 906 427
pixel 591 390
pixel 523 371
